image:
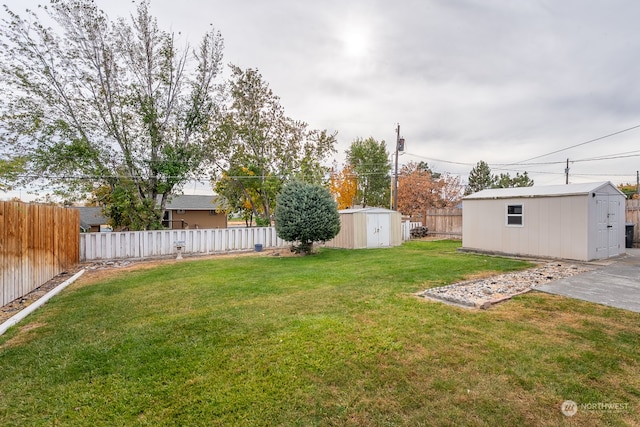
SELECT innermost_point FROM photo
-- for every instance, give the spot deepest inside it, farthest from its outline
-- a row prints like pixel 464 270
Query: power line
pixel 609 157
pixel 495 166
pixel 440 160
pixel 602 174
pixel 625 155
pixel 578 145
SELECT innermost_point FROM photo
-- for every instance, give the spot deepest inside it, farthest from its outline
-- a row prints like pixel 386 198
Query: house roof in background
pixel 541 191
pixel 90 215
pixel 194 202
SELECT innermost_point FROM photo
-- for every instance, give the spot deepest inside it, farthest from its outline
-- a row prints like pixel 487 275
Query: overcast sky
pixel 496 80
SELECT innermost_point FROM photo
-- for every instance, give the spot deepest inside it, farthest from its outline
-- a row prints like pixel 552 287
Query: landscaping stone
pixel 483 293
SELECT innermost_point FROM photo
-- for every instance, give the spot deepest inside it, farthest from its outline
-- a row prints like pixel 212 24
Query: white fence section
pixel 407 227
pixel 157 243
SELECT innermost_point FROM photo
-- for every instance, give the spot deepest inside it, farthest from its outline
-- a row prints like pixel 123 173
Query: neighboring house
pixel 368 228
pixel 575 221
pixel 92 219
pixel 181 212
pixel 194 211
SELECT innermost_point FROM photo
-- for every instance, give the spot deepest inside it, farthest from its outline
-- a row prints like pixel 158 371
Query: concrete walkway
pixel 616 284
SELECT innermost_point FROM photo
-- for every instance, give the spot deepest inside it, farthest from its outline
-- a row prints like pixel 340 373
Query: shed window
pixel 180 211
pixel 514 215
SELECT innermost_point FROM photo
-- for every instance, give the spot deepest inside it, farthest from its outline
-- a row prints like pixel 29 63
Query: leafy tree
pixel 256 134
pixel 420 189
pixel 452 191
pixel 306 213
pixel 506 181
pixel 123 209
pixel 424 167
pixel 242 186
pixel 10 170
pixel 480 178
pixel 630 190
pixel 343 185
pixel 96 102
pixel 369 161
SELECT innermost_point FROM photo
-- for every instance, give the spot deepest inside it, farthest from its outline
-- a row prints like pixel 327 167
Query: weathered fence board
pixel 444 221
pixel 37 242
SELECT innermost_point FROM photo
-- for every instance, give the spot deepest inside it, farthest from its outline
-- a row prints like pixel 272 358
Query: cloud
pixel 496 80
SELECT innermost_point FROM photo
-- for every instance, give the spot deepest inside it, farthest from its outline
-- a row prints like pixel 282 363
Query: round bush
pixel 306 213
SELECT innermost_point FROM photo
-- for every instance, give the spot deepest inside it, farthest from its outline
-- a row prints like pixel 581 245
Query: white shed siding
pixel 555 225
pixel 549 225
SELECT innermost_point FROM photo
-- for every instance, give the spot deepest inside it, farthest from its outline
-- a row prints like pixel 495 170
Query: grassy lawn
pixel 331 339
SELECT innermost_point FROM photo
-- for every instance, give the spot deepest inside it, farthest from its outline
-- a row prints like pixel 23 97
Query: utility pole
pixel 566 172
pixel 637 182
pixel 399 147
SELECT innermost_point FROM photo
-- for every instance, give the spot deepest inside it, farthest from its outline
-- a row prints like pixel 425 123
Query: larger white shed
pixel 368 228
pixel 576 221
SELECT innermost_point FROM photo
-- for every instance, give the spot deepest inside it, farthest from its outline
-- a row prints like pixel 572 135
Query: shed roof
pixel 541 191
pixel 370 210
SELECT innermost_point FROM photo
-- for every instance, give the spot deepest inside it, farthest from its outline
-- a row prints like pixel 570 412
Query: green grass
pixel 332 339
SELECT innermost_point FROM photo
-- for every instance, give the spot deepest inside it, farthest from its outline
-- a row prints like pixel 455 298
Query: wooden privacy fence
pixel 157 243
pixel 632 216
pixel 444 221
pixel 37 242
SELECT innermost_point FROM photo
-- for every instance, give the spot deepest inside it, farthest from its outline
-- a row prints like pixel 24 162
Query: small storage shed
pixel 368 228
pixel 576 221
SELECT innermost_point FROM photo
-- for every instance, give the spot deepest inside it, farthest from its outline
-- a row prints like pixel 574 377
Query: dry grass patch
pixel 23 336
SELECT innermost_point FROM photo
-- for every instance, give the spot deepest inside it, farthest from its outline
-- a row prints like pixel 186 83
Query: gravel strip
pixel 483 293
pixel 17 305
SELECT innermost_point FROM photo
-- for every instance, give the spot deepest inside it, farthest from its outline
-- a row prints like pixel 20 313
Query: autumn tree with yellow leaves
pixel 629 190
pixel 343 185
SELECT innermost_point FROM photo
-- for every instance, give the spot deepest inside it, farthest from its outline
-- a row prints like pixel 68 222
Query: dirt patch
pixel 22 337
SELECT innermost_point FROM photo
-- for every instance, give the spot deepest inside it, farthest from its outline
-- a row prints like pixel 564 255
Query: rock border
pixel 484 293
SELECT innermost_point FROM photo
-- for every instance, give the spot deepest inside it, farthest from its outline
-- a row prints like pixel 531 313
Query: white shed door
pixel 608 244
pixel 378 230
